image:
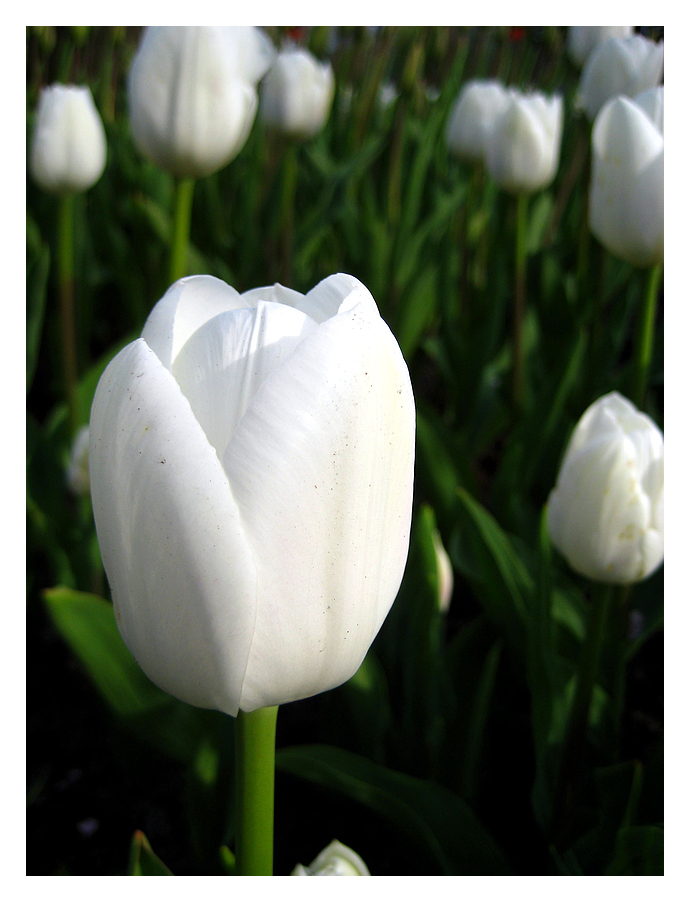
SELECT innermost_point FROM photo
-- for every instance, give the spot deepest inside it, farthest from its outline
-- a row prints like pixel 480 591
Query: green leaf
pixel 477 726
pixel 504 582
pixel 432 816
pixel 418 312
pixel 639 852
pixel 436 465
pixel 365 695
pixel 415 646
pixel 87 623
pixel 143 861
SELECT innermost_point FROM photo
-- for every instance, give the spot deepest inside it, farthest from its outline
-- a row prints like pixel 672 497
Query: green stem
pixel 519 309
pixel 255 754
pixel 66 280
pixel 184 191
pixel 644 343
pixel 578 718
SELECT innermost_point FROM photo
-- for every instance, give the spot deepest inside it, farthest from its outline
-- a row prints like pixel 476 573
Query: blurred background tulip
pixel 472 118
pixel 524 145
pixel 625 66
pixel 192 95
pixel 626 197
pixel 297 93
pixel 583 39
pixel 606 513
pixel 78 468
pixel 68 148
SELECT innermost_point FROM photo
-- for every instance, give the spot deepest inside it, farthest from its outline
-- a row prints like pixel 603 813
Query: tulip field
pixel 345 553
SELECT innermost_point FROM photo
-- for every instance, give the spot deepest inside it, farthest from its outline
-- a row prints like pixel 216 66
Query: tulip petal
pixel 321 466
pixel 626 206
pixel 184 308
pixel 222 365
pixel 168 527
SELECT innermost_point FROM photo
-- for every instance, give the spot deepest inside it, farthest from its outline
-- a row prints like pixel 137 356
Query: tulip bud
pixel 69 148
pixel 444 570
pixel 297 94
pixel 626 195
pixel 336 860
pixel 78 468
pixel 620 66
pixel 583 39
pixel 251 464
pixel 606 513
pixel 192 95
pixel 472 118
pixel 524 145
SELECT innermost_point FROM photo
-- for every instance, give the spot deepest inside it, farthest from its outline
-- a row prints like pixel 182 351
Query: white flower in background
pixel 652 102
pixel 473 117
pixel 524 145
pixel 626 196
pixel 78 467
pixel 251 463
pixel 297 94
pixel 68 148
pixel 444 572
pixel 192 94
pixel 336 860
pixel 606 513
pixel 625 66
pixel 583 39
pixel 388 94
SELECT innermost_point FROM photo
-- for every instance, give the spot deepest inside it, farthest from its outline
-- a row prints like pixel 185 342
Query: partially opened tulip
pixel 624 66
pixel 68 148
pixel 606 513
pixel 524 144
pixel 297 94
pixel 583 39
pixel 251 464
pixel 626 197
pixel 336 860
pixel 472 118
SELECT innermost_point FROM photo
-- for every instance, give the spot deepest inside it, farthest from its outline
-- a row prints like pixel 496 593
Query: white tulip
pixel 652 102
pixel 297 94
pixel 583 39
pixel 68 148
pixel 625 66
pixel 473 116
pixel 444 571
pixel 606 513
pixel 626 195
pixel 336 860
pixel 251 466
pixel 78 467
pixel 192 94
pixel 524 145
